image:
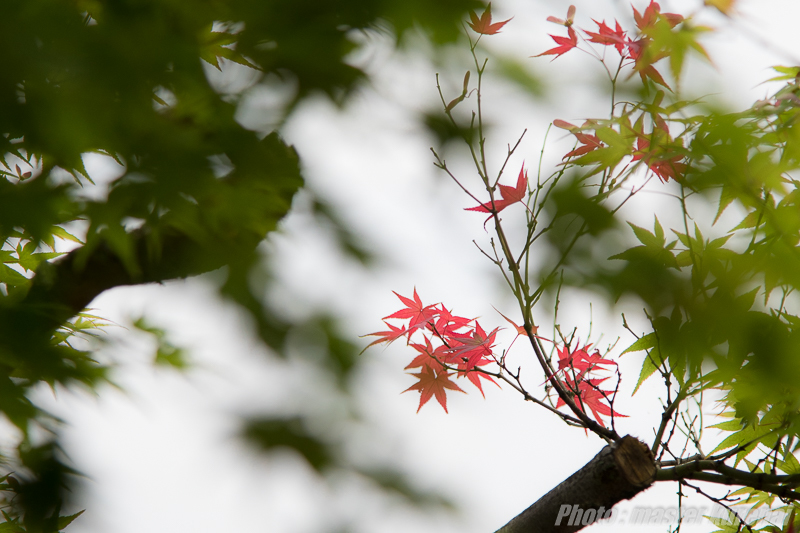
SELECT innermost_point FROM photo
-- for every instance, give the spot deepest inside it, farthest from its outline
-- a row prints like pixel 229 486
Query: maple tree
pixel 720 304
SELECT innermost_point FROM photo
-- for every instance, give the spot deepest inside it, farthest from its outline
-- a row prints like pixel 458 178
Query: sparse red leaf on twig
pixel 581 360
pixel 565 44
pixel 606 36
pixel 510 195
pixel 651 15
pixel 483 24
pixel 389 336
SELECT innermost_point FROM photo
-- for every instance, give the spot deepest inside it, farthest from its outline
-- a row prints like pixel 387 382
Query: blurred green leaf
pixel 290 433
pixel 166 353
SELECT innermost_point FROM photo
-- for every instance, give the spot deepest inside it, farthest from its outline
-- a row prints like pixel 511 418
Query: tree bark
pixel 619 472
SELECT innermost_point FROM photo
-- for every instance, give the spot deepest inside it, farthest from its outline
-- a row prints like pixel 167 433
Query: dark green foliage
pixel 167 354
pixel 196 191
pixel 580 210
pixel 42 491
pixel 291 433
pixel 446 130
pixel 723 309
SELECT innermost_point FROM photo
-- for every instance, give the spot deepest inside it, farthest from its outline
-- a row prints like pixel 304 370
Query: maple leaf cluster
pixel 662 154
pixel 446 345
pixel 657 149
pixel 636 49
pixel 575 370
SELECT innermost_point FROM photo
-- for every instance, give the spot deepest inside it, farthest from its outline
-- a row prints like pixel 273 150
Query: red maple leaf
pixel 419 314
pixel 663 166
pixel 389 336
pixel 643 63
pixel 588 394
pixel 509 194
pixel 581 360
pixel 448 324
pixel 651 15
pixel 589 143
pixel 565 44
pixel 649 71
pixel 465 355
pixel 472 349
pixel 563 124
pixel 654 151
pixel 475 376
pixel 428 356
pixel 433 383
pixel 483 25
pixel 636 47
pixel 519 329
pixel 606 36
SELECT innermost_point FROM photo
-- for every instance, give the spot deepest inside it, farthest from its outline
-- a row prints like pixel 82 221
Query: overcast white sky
pixel 160 456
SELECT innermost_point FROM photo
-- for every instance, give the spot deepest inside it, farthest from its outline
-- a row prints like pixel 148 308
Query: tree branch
pixel 619 472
